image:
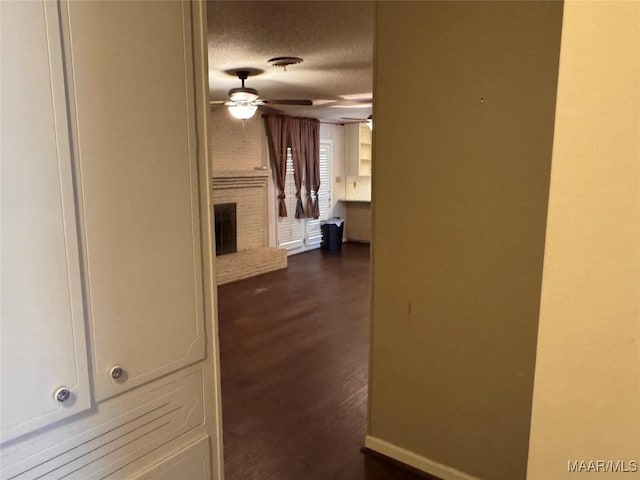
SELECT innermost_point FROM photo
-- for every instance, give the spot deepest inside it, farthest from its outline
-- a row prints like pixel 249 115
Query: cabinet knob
pixel 62 394
pixel 116 372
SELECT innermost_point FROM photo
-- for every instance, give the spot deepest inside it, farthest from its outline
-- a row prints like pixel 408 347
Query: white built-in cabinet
pixel 108 344
pixel 359 144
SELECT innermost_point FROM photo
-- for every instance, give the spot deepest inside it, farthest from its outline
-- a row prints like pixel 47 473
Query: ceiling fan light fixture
pixel 243 94
pixel 242 111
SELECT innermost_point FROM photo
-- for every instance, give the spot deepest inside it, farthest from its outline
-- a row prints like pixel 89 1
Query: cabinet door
pixel 135 124
pixel 43 337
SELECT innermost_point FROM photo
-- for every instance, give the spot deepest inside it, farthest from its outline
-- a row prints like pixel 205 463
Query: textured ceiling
pixel 334 38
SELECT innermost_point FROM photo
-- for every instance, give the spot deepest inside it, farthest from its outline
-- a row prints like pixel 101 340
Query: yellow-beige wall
pixel 586 403
pixel 465 101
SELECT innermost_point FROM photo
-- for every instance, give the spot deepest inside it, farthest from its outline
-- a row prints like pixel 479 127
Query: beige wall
pixel 586 403
pixel 460 188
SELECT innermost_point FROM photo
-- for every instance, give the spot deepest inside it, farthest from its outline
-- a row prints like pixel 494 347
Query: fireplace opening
pixel 225 228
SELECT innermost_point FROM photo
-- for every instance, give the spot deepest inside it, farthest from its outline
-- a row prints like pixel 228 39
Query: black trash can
pixel 332 234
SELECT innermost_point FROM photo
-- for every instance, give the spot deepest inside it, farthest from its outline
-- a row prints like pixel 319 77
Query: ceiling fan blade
pixel 290 101
pixel 358 97
pixel 217 102
pixel 266 110
pixel 351 105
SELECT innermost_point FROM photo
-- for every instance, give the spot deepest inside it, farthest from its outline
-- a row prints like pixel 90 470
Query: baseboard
pixel 416 461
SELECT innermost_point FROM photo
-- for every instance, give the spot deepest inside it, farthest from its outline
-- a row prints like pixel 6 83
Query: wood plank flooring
pixel 294 359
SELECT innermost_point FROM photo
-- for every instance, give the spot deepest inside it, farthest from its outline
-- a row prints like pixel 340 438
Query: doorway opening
pixel 293 336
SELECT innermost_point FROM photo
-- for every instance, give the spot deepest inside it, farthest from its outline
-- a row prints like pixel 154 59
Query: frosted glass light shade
pixel 242 112
pixel 243 95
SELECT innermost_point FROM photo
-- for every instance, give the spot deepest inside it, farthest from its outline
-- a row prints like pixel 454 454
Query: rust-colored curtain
pixel 310 129
pixel 293 127
pixel 276 136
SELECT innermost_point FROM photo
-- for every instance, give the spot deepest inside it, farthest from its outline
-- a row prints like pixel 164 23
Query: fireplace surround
pixel 247 189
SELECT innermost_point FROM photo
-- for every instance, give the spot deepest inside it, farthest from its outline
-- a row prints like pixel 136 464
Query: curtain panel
pixel 276 136
pixel 311 135
pixel 293 127
pixel 302 135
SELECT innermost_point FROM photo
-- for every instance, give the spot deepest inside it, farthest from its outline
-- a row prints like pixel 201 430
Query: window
pixel 298 234
pixel 290 229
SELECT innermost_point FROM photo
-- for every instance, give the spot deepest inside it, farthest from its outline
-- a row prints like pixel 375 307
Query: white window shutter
pixel 290 228
pixel 294 233
pixel 313 234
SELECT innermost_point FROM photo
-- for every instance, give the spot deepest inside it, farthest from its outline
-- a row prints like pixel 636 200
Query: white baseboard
pixel 414 460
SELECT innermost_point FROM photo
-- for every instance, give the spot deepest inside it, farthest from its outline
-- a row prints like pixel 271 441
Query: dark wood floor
pixel 294 358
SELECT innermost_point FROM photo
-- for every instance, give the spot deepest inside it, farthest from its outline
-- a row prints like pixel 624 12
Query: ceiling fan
pixel 243 101
pixel 368 121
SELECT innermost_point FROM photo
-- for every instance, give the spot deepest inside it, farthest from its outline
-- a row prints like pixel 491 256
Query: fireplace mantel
pixel 256 172
pixel 239 178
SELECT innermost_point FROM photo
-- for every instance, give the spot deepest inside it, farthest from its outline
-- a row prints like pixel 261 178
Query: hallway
pixel 294 366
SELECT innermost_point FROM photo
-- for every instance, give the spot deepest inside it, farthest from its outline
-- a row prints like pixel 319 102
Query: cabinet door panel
pixel 42 323
pixel 192 462
pixel 134 102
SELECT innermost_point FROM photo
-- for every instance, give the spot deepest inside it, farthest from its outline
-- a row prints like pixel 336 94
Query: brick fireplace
pixel 247 189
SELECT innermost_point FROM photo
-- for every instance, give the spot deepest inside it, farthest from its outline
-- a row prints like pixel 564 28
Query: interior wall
pixel 460 188
pixel 586 404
